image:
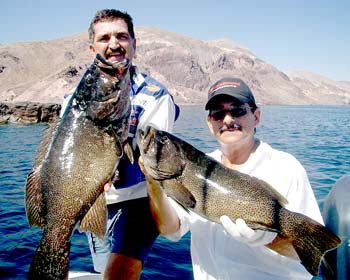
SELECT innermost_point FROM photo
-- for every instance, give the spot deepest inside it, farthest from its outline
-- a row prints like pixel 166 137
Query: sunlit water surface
pixel 318 137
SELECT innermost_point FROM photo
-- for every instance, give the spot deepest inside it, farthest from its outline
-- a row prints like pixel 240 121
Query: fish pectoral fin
pixel 284 247
pixel 180 194
pixel 129 152
pixel 95 220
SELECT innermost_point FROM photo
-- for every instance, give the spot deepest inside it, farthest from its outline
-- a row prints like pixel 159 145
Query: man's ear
pixel 92 48
pixel 257 115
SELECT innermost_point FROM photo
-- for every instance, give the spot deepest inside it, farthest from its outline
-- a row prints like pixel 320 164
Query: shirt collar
pixel 137 77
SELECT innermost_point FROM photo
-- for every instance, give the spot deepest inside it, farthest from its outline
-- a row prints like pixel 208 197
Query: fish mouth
pixel 113 68
pixel 150 146
pixel 144 138
pixel 110 98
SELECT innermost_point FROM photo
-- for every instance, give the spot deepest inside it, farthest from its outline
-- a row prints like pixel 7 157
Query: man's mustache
pixel 230 126
pixel 117 50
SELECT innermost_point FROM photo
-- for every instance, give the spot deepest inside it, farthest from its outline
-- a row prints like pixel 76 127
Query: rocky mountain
pixel 41 72
pixel 321 88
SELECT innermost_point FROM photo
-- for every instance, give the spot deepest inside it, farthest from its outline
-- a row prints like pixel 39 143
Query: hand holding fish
pixel 241 232
pixel 107 186
pixel 163 213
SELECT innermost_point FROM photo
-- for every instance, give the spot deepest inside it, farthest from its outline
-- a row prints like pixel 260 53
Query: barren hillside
pixel 44 71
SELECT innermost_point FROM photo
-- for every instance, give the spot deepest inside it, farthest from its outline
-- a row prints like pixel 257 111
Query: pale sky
pixel 306 35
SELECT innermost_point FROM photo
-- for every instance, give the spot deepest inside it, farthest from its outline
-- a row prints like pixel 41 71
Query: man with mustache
pixel 131 230
pixel 232 250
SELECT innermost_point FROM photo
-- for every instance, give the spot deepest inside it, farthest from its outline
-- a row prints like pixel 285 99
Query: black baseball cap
pixel 230 86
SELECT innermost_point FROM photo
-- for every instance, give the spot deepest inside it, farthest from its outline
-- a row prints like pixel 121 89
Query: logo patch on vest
pixel 152 88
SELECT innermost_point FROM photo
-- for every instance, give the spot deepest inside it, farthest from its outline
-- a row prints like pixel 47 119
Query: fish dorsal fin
pixel 280 198
pixel 267 188
pixel 95 220
pixel 35 204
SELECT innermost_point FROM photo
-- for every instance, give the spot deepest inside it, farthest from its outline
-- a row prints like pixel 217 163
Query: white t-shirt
pixel 216 255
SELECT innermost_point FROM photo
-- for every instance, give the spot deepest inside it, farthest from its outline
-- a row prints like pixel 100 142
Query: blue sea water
pixel 319 137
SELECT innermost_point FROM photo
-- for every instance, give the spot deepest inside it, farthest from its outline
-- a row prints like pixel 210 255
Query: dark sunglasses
pixel 235 112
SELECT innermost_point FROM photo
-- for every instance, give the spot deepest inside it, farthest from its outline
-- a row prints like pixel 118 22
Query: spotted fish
pixel 77 156
pixel 210 189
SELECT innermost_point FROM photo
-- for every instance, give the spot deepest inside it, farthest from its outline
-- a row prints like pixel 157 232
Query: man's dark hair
pixel 109 15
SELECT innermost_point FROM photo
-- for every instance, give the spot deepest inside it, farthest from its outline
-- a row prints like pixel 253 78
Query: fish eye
pixel 89 80
pixel 164 140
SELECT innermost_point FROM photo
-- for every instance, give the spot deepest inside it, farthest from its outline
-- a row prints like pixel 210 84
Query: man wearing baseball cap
pixel 232 250
pixel 233 87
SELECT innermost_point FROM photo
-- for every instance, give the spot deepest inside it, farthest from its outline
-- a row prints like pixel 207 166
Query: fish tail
pixel 310 239
pixel 50 263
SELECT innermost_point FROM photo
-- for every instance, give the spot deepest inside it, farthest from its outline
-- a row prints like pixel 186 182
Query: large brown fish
pixel 77 157
pixel 208 188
